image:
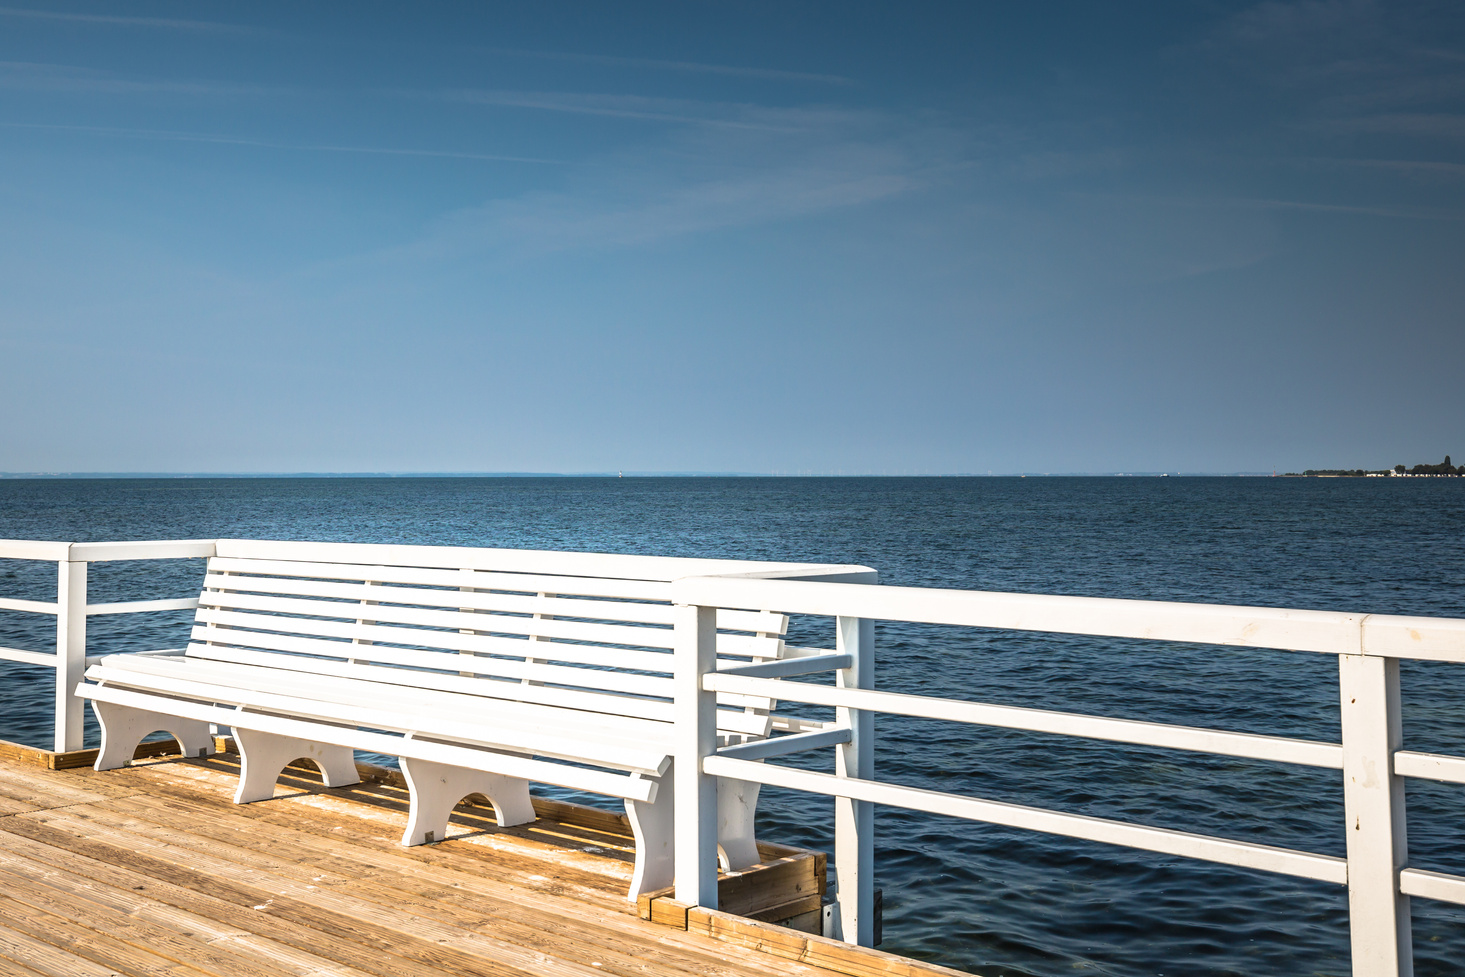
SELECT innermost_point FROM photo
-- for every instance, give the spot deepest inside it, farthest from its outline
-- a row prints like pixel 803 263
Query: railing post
pixel 70 652
pixel 1373 808
pixel 854 821
pixel 695 793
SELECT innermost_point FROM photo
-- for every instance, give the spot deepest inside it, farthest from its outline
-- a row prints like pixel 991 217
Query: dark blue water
pixel 985 899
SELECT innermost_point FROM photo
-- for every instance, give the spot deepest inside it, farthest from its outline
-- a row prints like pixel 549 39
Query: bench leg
pixel 123 728
pixel 436 788
pixel 737 803
pixel 263 756
pixel 653 827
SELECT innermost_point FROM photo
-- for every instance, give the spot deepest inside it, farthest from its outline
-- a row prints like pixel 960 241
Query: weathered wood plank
pixel 78 941
pixel 223 911
pixel 788 944
pixel 136 902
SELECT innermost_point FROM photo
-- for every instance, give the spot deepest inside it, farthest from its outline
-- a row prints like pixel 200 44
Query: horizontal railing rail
pixel 1369 754
pixel 71 610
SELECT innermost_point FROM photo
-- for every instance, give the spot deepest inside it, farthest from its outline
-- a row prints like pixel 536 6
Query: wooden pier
pixel 153 870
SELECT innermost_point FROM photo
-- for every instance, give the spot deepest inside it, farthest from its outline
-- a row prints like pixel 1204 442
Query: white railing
pixel 1369 753
pixel 71 611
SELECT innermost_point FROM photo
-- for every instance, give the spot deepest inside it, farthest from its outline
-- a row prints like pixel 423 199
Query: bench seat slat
pixel 641 661
pixel 545 737
pixel 617 634
pixel 479 579
pixel 387 744
pixel 418 709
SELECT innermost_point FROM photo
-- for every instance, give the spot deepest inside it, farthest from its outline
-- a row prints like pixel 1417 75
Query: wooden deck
pixel 153 870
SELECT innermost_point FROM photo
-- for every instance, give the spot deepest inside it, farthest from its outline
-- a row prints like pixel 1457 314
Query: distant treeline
pixel 1443 468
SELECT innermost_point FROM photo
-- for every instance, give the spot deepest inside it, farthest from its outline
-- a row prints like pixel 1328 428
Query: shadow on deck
pixel 153 870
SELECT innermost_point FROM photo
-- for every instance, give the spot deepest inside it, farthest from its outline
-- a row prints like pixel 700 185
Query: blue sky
pixel 731 237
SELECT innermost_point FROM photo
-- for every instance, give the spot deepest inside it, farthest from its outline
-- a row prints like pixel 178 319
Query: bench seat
pixel 481 670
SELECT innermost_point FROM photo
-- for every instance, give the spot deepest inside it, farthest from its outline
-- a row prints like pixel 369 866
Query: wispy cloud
pixel 696 67
pixel 45 77
pixel 642 107
pixel 172 136
pixel 118 20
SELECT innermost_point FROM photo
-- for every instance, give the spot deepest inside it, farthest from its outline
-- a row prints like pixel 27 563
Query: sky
pixel 756 237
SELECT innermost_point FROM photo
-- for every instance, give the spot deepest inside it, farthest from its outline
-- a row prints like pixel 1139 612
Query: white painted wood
pixel 70 658
pixel 1276 748
pixel 45 659
pixel 648 661
pixel 143 606
pixel 764 749
pixel 473 598
pixel 854 818
pixel 264 756
pixel 1424 638
pixel 1373 811
pixel 1430 766
pixel 48 551
pixel 605 565
pixel 545 732
pixel 436 788
pixel 653 827
pixel 1251 627
pixel 123 728
pixel 27 606
pixel 419 617
pixel 1323 868
pixel 266 646
pixel 559 774
pixel 737 806
pixel 787 668
pixel 1432 885
pixel 451 578
pixel 159 549
pixel 696 738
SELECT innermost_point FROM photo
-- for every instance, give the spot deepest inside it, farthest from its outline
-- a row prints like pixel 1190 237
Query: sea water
pixel 992 900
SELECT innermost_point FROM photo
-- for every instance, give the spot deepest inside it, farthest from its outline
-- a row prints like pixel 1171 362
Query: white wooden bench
pixel 480 669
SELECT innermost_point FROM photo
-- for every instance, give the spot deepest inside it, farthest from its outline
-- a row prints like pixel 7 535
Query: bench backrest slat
pixel 600 644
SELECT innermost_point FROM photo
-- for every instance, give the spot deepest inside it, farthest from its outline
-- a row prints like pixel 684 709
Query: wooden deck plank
pixel 153 870
pixel 404 862
pixel 78 941
pixel 281 878
pixel 537 926
pixel 239 952
pixel 221 911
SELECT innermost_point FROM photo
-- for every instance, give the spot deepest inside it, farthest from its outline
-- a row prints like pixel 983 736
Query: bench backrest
pixel 547 628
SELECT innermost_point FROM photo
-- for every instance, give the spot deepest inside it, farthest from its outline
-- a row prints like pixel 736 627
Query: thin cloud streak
pixel 769 74
pixel 169 136
pixel 679 111
pixel 163 23
pixel 40 76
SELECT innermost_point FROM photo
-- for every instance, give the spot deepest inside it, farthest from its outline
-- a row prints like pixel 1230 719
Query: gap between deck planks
pixel 153 870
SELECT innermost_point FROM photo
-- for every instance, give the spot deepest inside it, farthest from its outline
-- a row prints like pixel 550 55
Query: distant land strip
pixel 1442 470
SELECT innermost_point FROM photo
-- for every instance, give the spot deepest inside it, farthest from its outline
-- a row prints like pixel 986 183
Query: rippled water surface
pixel 985 899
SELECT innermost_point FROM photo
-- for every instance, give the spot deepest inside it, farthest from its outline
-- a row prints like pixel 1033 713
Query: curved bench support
pixel 265 755
pixel 653 827
pixel 436 788
pixel 737 804
pixel 123 728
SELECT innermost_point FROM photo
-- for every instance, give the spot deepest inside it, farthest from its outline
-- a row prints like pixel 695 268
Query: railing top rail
pixel 1332 632
pixel 33 549
pixel 151 549
pixel 555 562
